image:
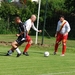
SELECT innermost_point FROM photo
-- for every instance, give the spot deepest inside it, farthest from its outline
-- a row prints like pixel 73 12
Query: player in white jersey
pixel 63 28
pixel 29 24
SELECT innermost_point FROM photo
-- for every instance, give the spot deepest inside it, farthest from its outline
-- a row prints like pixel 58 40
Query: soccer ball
pixel 46 54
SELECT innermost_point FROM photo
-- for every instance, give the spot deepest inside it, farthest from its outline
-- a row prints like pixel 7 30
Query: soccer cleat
pixel 8 54
pixel 62 55
pixel 18 55
pixel 25 53
pixel 54 53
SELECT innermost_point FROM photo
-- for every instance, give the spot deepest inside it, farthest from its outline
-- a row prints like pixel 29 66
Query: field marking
pixel 58 73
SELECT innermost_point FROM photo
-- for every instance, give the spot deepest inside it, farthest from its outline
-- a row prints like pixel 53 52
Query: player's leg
pixel 64 40
pixel 57 43
pixel 14 46
pixel 10 52
pixel 29 40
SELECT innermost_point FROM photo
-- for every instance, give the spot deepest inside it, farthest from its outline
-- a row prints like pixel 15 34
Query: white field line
pixel 59 73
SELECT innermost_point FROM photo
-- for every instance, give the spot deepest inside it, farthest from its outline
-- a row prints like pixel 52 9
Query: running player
pixel 29 24
pixel 21 38
pixel 63 28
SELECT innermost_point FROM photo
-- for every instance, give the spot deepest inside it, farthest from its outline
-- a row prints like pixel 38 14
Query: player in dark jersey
pixel 21 38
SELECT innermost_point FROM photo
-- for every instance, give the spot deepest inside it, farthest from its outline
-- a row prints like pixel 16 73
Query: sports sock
pixel 64 49
pixel 10 52
pixel 18 51
pixel 56 47
pixel 27 46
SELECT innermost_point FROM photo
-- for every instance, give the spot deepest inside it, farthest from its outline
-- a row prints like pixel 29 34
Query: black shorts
pixel 20 40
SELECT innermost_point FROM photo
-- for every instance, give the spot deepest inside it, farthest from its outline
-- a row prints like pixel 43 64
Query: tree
pixel 7 10
pixel 54 9
pixel 70 5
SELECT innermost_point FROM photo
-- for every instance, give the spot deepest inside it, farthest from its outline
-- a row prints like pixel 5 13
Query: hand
pixel 40 31
pixel 17 35
pixel 56 35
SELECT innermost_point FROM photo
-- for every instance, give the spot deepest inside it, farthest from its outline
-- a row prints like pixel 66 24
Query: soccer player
pixel 29 24
pixel 63 28
pixel 21 38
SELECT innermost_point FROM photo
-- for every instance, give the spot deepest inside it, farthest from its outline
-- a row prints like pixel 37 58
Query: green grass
pixel 36 63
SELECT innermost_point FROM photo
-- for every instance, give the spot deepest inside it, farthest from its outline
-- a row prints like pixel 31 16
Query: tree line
pixel 55 8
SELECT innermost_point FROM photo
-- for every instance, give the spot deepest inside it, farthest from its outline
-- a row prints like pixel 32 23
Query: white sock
pixel 10 52
pixel 18 51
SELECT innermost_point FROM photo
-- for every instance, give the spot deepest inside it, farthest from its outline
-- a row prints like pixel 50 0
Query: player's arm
pixel 34 28
pixel 22 32
pixel 57 30
pixel 67 28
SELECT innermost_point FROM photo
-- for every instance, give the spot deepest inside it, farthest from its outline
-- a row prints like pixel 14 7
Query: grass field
pixel 36 63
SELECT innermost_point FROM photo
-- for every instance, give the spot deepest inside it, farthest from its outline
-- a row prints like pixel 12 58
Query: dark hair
pixel 17 18
pixel 62 16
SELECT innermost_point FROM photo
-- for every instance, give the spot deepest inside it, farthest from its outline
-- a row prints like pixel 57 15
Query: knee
pixel 64 44
pixel 13 45
pixel 57 42
pixel 30 42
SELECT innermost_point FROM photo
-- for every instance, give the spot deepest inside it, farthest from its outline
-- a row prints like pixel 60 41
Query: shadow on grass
pixel 38 52
pixel 2 53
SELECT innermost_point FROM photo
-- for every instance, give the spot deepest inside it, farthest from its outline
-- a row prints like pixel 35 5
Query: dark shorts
pixel 20 40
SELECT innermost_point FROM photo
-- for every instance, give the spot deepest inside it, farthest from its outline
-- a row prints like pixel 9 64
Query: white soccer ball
pixel 46 54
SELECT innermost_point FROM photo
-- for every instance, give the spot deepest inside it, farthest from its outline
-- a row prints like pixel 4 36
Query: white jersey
pixel 66 27
pixel 29 24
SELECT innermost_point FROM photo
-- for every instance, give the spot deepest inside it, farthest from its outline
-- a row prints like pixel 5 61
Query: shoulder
pixel 59 22
pixel 32 23
pixel 66 22
pixel 28 21
pixel 21 24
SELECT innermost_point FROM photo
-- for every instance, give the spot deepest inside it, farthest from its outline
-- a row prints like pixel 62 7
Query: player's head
pixel 33 18
pixel 61 18
pixel 17 20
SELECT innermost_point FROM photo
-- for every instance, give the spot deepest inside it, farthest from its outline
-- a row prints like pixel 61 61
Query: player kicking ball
pixel 21 38
pixel 29 24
